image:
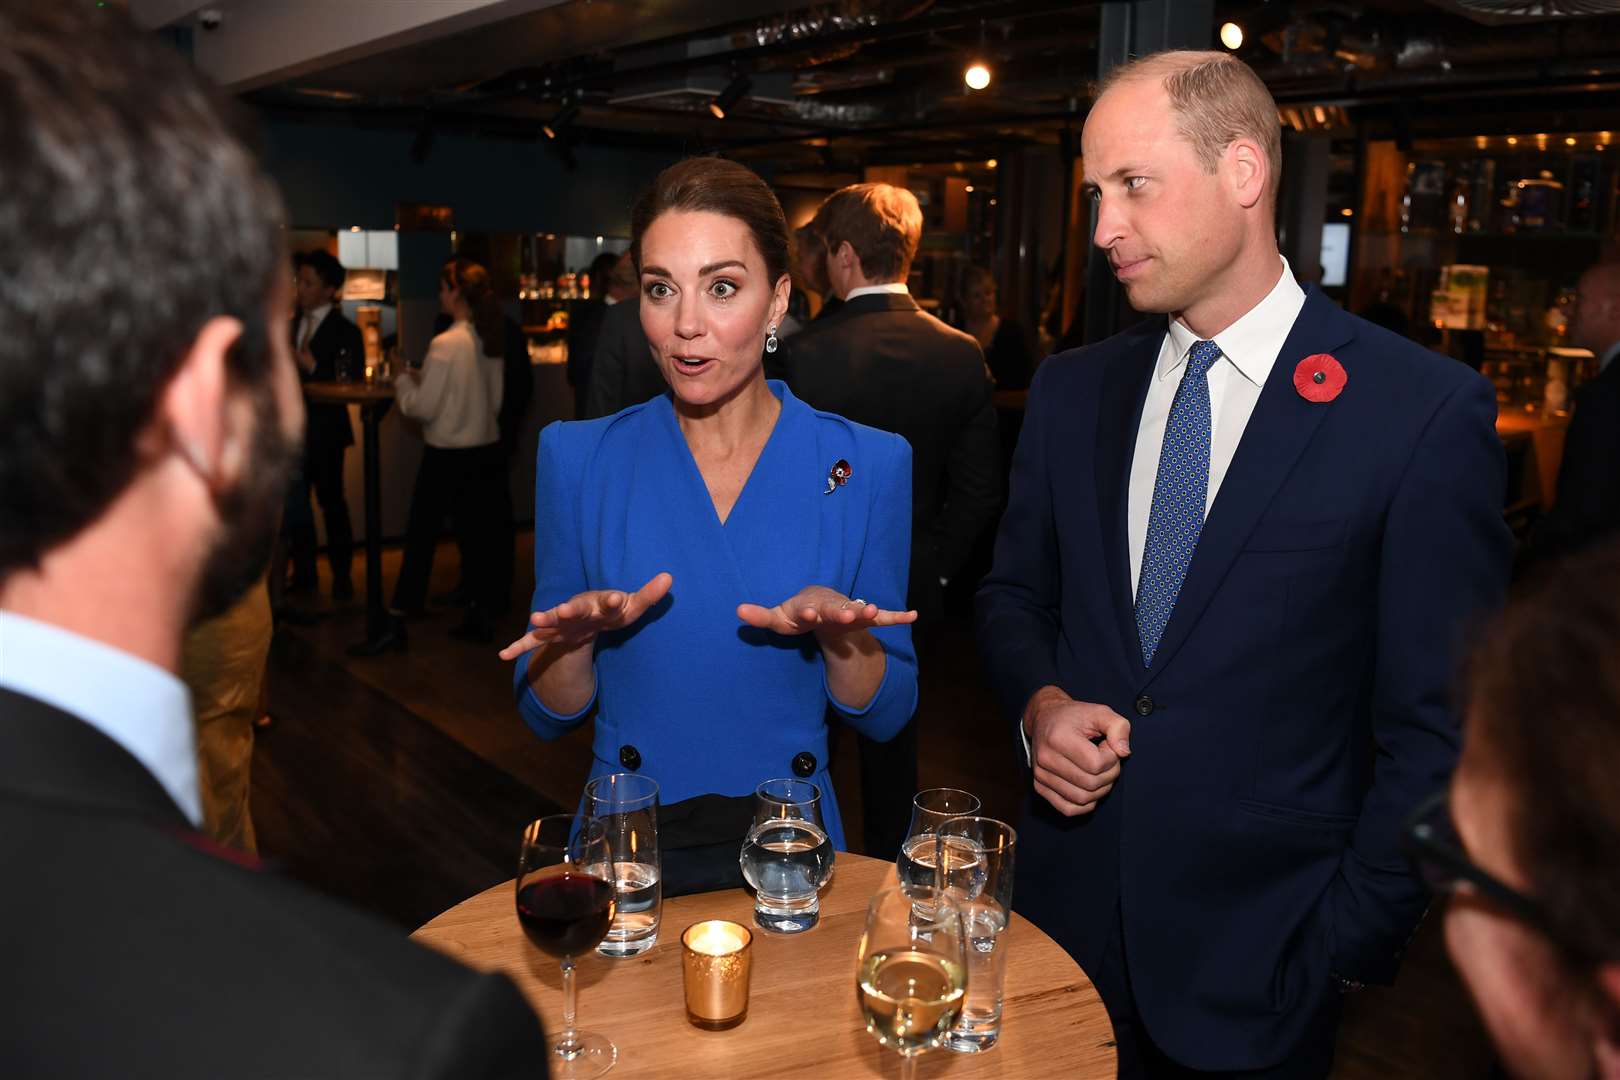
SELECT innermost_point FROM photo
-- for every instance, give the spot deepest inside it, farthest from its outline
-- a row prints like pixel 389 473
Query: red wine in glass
pixel 567 913
pixel 565 910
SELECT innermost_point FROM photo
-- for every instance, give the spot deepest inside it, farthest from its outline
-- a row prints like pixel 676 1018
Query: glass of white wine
pixel 911 975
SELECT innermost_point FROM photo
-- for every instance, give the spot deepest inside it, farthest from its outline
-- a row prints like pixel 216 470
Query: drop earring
pixel 770 342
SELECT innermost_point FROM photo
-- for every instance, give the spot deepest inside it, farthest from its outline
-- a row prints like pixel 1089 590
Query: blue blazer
pixel 1296 709
pixel 690 695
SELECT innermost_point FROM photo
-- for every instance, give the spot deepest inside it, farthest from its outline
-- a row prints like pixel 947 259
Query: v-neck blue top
pixel 700 701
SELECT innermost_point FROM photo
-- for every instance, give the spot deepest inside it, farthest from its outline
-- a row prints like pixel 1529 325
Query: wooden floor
pixel 401 783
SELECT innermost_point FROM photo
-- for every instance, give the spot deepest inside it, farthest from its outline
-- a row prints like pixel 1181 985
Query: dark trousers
pixel 465 485
pixel 322 472
pixel 1141 1059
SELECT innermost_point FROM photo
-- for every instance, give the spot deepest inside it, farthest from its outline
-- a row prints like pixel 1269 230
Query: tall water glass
pixel 975 869
pixel 565 910
pixel 928 810
pixel 787 856
pixel 911 974
pixel 627 806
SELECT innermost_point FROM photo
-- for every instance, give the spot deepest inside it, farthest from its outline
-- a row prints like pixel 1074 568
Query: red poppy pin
pixel 1319 378
pixel 838 476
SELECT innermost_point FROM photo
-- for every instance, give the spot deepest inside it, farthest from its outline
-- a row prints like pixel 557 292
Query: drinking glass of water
pixel 928 810
pixel 787 856
pixel 974 861
pixel 627 806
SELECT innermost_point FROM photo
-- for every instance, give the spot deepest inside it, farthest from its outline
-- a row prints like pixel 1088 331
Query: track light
pixel 559 123
pixel 727 99
pixel 1232 36
pixel 977 75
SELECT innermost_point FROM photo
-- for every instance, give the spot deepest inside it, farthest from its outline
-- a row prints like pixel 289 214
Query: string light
pixel 977 76
pixel 1232 35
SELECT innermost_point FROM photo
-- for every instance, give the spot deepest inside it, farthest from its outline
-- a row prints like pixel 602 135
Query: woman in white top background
pixel 456 396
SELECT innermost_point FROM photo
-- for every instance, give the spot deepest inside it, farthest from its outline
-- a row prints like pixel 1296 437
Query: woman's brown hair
pixel 1544 723
pixel 473 282
pixel 716 186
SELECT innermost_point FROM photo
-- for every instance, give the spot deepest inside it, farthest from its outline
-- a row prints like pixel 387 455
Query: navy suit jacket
pixel 1296 709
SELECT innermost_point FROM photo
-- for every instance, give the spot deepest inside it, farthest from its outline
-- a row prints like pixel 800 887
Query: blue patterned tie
pixel 1179 492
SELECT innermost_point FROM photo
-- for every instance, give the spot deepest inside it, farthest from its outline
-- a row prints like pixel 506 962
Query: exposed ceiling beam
pixel 254 44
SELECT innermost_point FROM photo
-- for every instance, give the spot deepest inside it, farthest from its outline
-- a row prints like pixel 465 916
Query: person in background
pixel 810 275
pixel 1587 507
pixel 1528 844
pixel 719 565
pixel 322 340
pixel 1256 526
pixel 1007 345
pixel 585 326
pixel 457 398
pixel 222 662
pixel 883 361
pixel 623 371
pixel 150 419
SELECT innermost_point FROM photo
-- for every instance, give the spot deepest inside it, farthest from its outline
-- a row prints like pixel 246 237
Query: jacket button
pixel 804 764
pixel 1144 706
pixel 629 757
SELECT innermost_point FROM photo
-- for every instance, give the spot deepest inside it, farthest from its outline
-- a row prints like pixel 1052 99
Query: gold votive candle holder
pixel 716 959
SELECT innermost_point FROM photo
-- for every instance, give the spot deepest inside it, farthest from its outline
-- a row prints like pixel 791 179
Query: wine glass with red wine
pixel 565 910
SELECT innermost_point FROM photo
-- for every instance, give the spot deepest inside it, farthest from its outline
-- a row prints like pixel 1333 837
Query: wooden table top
pixel 356 392
pixel 803 1017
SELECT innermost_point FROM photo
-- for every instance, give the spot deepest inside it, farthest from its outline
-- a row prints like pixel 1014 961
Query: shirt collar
pixel 317 316
pixel 1253 342
pixel 1608 357
pixel 138 705
pixel 872 290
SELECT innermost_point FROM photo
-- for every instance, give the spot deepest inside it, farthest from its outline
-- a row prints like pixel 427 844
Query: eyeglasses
pixel 1432 843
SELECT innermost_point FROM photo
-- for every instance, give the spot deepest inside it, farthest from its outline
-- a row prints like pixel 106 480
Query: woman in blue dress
pixel 718 565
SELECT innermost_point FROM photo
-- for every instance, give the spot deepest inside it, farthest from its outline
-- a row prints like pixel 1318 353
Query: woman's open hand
pixel 827 611
pixel 576 621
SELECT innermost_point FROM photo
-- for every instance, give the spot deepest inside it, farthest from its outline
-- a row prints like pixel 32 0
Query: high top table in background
pixel 374 398
pixel 803 1017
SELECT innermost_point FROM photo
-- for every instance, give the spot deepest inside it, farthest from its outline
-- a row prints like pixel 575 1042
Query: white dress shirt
pixel 457 393
pixel 310 323
pixel 872 290
pixel 138 705
pixel 1249 348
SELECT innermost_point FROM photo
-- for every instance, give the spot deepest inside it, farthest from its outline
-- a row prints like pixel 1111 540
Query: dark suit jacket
pixel 328 426
pixel 884 362
pixel 584 326
pixel 1587 508
pixel 133 951
pixel 1296 710
pixel 623 372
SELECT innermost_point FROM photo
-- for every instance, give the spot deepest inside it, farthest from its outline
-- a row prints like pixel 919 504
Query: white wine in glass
pixel 911 976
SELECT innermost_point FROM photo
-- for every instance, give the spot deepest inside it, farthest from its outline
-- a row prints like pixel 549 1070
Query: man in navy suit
pixel 1241 545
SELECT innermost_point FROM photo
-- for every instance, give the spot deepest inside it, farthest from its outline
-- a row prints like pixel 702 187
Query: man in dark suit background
pixel 142 471
pixel 585 326
pixel 1257 528
pixel 883 361
pixel 1587 507
pixel 622 369
pixel 321 337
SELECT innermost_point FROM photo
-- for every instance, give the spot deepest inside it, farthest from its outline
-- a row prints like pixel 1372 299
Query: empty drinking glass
pixel 928 810
pixel 627 806
pixel 787 856
pixel 975 869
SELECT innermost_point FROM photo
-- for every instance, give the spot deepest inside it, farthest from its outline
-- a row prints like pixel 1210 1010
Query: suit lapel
pixel 1278 432
pixel 1124 390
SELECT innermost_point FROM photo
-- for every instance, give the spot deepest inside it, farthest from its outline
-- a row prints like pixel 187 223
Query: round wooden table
pixel 803 1018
